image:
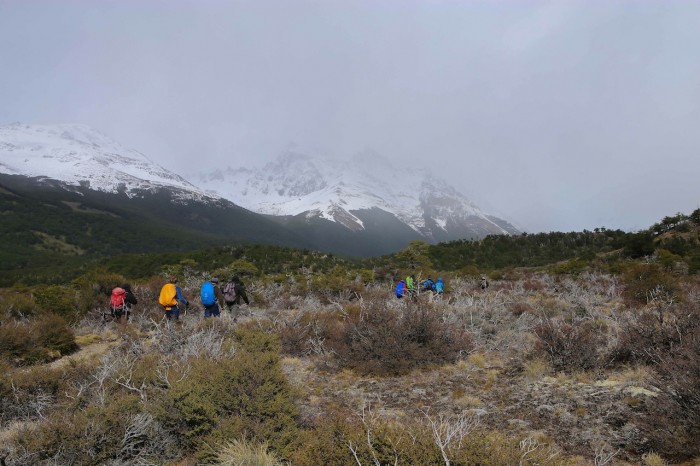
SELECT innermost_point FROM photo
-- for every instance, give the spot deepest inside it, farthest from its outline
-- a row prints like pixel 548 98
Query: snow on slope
pixel 296 183
pixel 77 155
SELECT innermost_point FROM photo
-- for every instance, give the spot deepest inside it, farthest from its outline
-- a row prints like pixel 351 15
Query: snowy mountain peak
pixel 78 155
pixel 339 190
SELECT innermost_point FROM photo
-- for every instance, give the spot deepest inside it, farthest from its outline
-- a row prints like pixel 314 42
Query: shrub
pixel 113 433
pixel 52 332
pixel 304 333
pixel 671 342
pixel 571 267
pixel 518 308
pixel 389 342
pixel 654 332
pixel 342 439
pixel 233 397
pixel 57 299
pixel 39 340
pixel 645 283
pixel 339 439
pixel 28 393
pixel 17 305
pixel 568 346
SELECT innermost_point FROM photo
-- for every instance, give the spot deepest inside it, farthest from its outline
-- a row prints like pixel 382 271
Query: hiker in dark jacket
pixel 234 291
pixel 429 285
pixel 240 291
pixel 484 282
pixel 229 290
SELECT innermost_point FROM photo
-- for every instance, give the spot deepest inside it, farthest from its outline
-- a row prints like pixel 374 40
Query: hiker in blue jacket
pixel 429 285
pixel 212 298
pixel 439 286
pixel 182 302
pixel 400 289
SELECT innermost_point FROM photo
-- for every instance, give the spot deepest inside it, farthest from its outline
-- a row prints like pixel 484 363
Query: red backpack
pixel 116 301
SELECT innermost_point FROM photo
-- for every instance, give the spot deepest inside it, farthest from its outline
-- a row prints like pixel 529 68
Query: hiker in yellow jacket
pixel 168 299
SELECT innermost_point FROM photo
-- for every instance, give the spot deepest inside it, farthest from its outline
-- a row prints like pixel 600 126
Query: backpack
pixel 230 292
pixel 168 296
pixel 117 299
pixel 208 296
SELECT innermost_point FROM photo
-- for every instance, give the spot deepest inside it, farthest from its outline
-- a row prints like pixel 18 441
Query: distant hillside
pixel 45 227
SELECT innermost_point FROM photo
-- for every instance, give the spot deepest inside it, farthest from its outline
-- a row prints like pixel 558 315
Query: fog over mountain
pixel 299 183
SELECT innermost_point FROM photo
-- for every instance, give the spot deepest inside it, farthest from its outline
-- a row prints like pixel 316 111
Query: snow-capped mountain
pixel 363 206
pixel 77 155
pixel 77 168
pixel 340 191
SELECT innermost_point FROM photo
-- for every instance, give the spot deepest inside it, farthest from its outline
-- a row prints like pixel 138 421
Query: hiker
pixel 181 300
pixel 212 298
pixel 120 303
pixel 168 299
pixel 484 282
pixel 234 291
pixel 410 284
pixel 428 285
pixel 400 289
pixel 439 287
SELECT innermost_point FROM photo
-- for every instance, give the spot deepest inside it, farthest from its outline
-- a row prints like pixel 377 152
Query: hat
pixel 215 280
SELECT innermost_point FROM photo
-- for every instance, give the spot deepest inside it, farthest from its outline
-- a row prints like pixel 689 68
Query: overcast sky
pixel 559 116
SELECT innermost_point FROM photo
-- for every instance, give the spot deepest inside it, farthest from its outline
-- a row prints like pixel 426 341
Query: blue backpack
pixel 208 296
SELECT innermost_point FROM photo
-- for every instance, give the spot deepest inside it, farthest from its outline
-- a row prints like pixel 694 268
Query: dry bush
pixel 303 333
pixel 382 341
pixel 649 283
pixel 673 420
pixel 518 308
pixel 655 331
pixel 28 394
pixel 568 347
pixel 113 433
pixel 364 439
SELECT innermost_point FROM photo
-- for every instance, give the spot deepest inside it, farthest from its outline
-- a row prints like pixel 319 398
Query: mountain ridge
pixel 359 207
pixel 296 183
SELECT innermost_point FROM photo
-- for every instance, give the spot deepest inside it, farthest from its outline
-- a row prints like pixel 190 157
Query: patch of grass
pixel 87 339
pixel 535 369
pixel 243 453
pixel 477 360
